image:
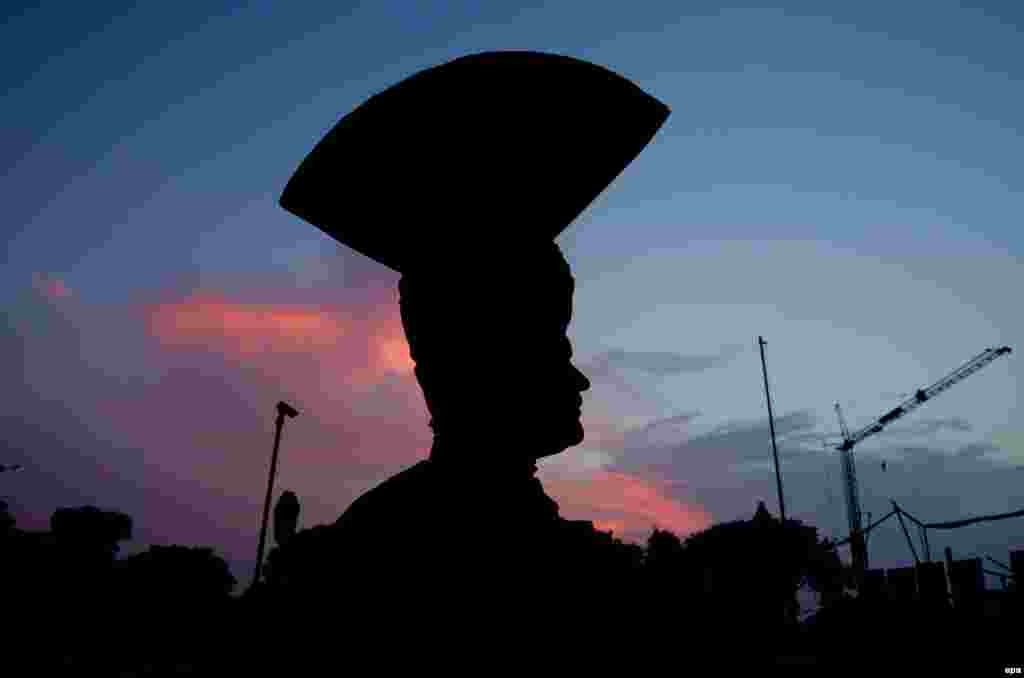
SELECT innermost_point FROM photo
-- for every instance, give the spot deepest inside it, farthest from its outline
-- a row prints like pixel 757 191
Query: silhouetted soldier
pixel 286 517
pixel 460 177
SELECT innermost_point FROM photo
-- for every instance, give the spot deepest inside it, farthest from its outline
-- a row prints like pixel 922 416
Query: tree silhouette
pixel 664 552
pixel 178 575
pixel 82 555
pixel 757 565
pixel 9 548
pixel 6 520
pixel 663 569
pixel 737 577
pixel 177 600
pixel 65 581
pixel 89 532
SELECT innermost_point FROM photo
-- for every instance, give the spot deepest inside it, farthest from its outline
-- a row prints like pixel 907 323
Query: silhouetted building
pixel 931 584
pixel 901 583
pixel 968 583
pixel 874 585
pixel 1017 569
pixel 761 515
pixel 32 559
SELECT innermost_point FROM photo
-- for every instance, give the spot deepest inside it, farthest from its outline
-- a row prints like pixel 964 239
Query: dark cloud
pixel 701 468
pixel 734 441
pixel 684 418
pixel 601 375
pixel 976 450
pixel 659 432
pixel 928 427
pixel 659 364
pixel 630 379
pixel 729 469
pixel 937 485
pixel 815 440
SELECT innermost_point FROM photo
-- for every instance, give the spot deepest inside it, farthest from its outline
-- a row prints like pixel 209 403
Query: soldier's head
pixel 492 354
pixel 460 177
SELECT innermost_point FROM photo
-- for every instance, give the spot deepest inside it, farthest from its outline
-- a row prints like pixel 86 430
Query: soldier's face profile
pixel 499 368
pixel 545 385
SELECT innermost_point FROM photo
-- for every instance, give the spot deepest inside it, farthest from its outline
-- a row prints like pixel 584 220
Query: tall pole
pixel 906 532
pixel 771 424
pixel 953 592
pixel 282 410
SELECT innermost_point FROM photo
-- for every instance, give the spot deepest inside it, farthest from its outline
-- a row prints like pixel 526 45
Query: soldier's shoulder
pixel 388 496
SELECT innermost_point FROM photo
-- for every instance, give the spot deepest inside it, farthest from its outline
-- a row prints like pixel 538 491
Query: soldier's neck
pixel 481 455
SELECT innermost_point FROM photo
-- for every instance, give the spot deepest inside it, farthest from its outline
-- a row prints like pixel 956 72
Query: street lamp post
pixel 283 410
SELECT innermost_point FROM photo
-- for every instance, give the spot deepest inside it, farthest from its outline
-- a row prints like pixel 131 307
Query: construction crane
pixel 858 548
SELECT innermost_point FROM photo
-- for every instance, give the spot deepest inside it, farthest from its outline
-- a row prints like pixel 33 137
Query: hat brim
pixel 487 151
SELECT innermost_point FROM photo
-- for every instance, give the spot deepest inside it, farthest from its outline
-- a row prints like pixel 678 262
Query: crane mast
pixel 858 549
pixel 851 492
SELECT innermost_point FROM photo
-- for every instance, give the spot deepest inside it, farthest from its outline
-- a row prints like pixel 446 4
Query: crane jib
pixel 921 395
pixel 889 416
pixel 924 394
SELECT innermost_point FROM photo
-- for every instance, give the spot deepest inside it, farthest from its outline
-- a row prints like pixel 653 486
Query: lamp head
pixel 284 408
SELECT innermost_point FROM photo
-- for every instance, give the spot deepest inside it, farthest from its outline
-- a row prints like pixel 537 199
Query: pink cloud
pixel 203 430
pixel 373 340
pixel 602 432
pixel 361 420
pixel 629 506
pixel 346 367
pixel 50 287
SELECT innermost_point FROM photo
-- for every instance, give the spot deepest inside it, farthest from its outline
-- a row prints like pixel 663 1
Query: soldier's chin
pixel 578 433
pixel 572 436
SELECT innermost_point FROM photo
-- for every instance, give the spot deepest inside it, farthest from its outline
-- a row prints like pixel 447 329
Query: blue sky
pixel 842 178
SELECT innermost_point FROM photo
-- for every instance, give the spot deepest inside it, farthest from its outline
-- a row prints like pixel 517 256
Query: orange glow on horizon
pixel 616 527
